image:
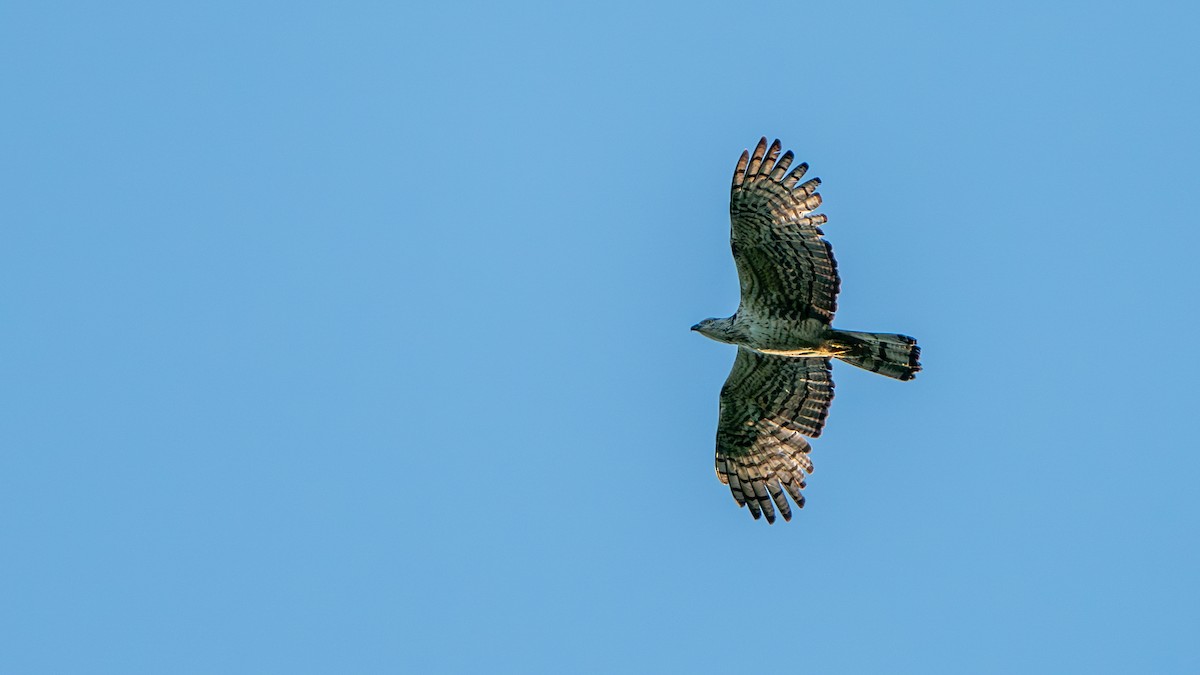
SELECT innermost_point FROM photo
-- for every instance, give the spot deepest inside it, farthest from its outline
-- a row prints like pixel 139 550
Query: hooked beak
pixel 696 327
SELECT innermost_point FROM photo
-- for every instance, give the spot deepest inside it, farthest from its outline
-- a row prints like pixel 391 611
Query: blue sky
pixel 354 337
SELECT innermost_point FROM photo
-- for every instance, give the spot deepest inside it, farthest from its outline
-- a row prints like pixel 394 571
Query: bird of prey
pixel 780 388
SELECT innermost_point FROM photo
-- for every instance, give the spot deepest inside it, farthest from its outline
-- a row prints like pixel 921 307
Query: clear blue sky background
pixel 354 337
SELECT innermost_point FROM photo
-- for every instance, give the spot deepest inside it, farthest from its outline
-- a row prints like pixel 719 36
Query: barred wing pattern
pixel 768 405
pixel 786 270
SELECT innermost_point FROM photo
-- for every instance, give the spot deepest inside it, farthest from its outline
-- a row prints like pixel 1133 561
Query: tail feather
pixel 888 354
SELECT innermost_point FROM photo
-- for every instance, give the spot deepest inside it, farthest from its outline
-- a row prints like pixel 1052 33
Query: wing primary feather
pixel 795 176
pixel 760 493
pixel 780 500
pixel 735 488
pixel 765 501
pixel 739 174
pixel 768 165
pixel 809 186
pixel 748 496
pixel 793 488
pixel 757 158
pixel 723 470
pixel 781 168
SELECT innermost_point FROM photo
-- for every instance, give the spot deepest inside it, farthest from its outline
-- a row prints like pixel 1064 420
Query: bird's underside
pixel 779 391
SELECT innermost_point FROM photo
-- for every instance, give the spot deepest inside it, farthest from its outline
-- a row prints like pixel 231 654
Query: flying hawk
pixel 780 387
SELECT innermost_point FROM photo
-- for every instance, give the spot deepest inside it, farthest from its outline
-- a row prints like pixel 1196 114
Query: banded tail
pixel 888 354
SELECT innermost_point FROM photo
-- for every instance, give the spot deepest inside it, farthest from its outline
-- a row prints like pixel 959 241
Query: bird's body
pixel 780 388
pixel 806 337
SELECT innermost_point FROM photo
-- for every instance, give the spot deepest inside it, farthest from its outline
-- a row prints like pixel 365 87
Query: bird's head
pixel 720 330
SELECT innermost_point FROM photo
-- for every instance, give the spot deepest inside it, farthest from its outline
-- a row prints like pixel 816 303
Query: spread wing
pixel 768 405
pixel 786 269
